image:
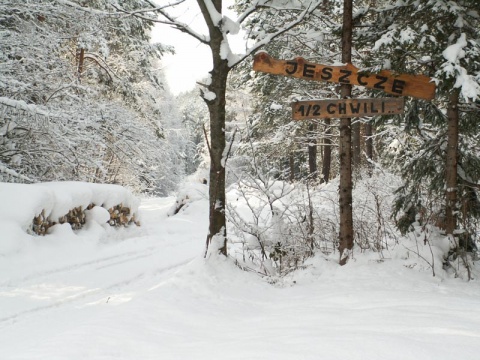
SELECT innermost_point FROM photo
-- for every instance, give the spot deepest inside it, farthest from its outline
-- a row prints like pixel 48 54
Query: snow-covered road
pixel 50 289
pixel 148 294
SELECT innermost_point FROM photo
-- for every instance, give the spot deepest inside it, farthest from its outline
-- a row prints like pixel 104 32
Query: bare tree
pixel 219 26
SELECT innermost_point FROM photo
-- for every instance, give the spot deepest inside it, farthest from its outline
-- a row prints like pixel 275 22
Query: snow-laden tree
pixel 80 96
pixel 291 144
pixel 194 117
pixel 441 39
pixel 219 26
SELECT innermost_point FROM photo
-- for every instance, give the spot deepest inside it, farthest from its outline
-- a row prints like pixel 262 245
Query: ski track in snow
pixel 129 255
pixel 152 296
pixel 98 293
pixel 56 278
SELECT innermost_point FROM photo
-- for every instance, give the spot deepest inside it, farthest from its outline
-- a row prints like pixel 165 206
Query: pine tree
pixel 440 39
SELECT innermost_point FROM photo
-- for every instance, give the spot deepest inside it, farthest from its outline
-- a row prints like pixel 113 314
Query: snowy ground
pixel 147 293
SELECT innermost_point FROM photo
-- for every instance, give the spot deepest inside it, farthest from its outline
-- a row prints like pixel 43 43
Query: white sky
pixel 192 60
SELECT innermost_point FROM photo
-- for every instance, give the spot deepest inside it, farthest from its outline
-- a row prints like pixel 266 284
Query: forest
pixel 83 98
pixel 314 196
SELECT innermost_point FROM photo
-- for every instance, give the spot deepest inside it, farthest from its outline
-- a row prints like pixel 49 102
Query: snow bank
pixel 155 297
pixel 22 203
pixel 193 189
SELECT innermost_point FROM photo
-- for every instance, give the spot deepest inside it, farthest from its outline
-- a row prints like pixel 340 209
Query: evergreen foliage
pixel 271 133
pixel 440 39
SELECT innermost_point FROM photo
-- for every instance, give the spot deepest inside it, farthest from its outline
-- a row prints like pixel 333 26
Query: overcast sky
pixel 192 60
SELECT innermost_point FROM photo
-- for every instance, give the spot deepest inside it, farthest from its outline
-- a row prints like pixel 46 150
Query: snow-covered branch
pixel 85 9
pixel 305 13
pixel 170 20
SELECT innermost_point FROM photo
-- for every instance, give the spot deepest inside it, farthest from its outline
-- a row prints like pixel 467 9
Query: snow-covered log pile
pixel 36 208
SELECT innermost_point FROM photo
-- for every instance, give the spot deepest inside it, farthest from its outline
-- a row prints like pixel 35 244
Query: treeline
pixel 81 97
pixel 434 145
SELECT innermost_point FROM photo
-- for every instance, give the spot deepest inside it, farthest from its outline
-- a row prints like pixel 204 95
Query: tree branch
pixel 171 21
pixel 276 34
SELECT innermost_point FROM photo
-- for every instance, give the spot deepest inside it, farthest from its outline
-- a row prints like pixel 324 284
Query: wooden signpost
pixel 419 86
pixel 346 108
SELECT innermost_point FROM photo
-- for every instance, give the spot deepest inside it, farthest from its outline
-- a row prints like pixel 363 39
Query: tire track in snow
pixel 130 255
pixel 89 293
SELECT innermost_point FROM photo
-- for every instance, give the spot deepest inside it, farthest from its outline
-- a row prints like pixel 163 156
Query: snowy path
pixel 68 285
pixel 149 295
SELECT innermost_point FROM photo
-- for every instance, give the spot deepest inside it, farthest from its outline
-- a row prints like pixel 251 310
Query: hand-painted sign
pixel 419 86
pixel 346 108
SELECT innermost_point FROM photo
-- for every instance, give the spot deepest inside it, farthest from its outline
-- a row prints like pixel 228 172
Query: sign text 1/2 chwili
pixel 419 86
pixel 346 108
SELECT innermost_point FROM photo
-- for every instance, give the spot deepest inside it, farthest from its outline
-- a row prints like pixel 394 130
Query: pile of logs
pixel 41 224
pixel 119 216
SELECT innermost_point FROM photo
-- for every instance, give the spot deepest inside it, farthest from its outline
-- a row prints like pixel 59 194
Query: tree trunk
pixel 80 61
pixel 356 149
pixel 291 162
pixel 217 230
pixel 451 163
pixel 327 152
pixel 216 108
pixel 312 150
pixel 345 188
pixel 369 145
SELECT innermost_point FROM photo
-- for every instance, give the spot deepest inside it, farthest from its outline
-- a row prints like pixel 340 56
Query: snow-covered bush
pixel 274 226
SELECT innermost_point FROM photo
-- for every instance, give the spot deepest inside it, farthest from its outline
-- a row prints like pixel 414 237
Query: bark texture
pixel 356 149
pixel 345 188
pixel 216 107
pixel 451 163
pixel 369 146
pixel 327 152
pixel 312 150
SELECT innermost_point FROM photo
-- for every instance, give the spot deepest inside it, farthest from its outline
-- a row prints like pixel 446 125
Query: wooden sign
pixel 419 86
pixel 346 108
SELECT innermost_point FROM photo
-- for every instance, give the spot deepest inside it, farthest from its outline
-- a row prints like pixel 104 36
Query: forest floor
pixel 147 293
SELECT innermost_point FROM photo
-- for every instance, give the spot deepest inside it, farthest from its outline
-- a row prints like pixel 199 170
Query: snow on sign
pixel 346 108
pixel 418 86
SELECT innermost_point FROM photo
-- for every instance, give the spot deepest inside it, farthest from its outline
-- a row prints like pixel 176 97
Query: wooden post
pixel 345 188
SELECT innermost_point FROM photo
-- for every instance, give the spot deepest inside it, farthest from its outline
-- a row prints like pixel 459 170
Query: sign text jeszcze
pixel 419 86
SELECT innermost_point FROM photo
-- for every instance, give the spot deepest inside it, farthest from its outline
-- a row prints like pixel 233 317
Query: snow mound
pixel 22 203
pixel 190 191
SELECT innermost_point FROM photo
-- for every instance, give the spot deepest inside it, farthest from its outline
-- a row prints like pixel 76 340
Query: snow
pixel 230 26
pixel 227 54
pixel 275 106
pixel 22 105
pixel 455 51
pixel 209 95
pixel 470 88
pixel 215 16
pixel 22 202
pixel 148 293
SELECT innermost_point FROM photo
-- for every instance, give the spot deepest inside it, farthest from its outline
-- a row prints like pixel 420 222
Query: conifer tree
pixel 440 39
